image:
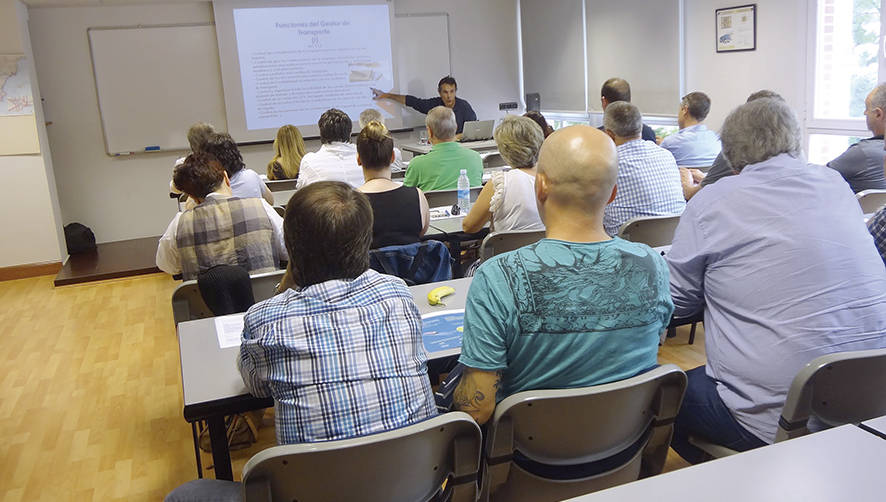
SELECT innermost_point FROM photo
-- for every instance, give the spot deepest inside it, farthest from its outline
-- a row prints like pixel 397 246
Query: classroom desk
pixel 878 425
pixel 479 146
pixel 844 463
pixel 212 386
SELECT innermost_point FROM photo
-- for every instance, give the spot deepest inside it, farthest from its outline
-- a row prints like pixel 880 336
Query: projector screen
pixel 287 64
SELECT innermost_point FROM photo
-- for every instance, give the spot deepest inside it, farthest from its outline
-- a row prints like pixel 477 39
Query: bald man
pixel 577 308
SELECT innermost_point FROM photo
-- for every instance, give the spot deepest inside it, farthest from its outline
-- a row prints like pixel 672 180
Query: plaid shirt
pixel 877 227
pixel 648 185
pixel 342 359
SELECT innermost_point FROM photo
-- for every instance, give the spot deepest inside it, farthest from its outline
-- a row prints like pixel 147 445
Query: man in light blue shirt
pixel 694 145
pixel 648 179
pixel 779 259
pixel 575 309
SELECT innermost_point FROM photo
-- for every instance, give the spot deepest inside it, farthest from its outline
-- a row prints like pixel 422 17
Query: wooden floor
pixel 90 392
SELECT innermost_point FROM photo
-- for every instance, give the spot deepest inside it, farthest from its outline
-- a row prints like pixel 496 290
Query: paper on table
pixel 229 328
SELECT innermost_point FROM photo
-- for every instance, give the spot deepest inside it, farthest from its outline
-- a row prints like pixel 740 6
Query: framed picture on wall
pixel 736 28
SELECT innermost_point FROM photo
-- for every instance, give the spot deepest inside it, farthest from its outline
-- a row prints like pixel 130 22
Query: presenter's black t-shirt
pixel 463 111
pixel 397 217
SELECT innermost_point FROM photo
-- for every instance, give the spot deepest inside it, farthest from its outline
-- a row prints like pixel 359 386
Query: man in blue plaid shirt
pixel 648 179
pixel 341 352
pixel 877 227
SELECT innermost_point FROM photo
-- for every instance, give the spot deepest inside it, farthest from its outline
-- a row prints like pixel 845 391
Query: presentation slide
pixel 297 62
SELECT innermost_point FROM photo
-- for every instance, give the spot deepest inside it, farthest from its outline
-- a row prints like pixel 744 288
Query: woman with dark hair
pixel 401 212
pixel 245 183
pixel 540 120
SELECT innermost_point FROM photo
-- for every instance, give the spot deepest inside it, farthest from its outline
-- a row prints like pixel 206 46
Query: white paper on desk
pixel 438 213
pixel 229 328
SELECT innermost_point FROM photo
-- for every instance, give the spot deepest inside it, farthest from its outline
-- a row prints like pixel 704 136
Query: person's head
pixel 875 110
pixel 370 115
pixel 577 168
pixel 375 147
pixel 335 125
pixel 441 124
pixel 615 90
pixel 518 140
pixel 764 93
pixel 289 148
pixel 222 147
pixel 694 108
pixel 198 134
pixel 328 231
pixel 759 130
pixel 447 88
pixel 623 122
pixel 540 120
pixel 199 175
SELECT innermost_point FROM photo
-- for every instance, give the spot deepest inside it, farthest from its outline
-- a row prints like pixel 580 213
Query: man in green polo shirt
pixel 439 169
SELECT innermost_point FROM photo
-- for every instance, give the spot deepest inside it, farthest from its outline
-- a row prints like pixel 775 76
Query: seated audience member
pixel 289 148
pixel 541 121
pixel 694 145
pixel 877 227
pixel 779 259
pixel 694 180
pixel 578 308
pixel 615 90
pixel 439 169
pixel 400 213
pixel 198 135
pixel 245 183
pixel 509 197
pixel 862 164
pixel 221 229
pixel 371 114
pixel 337 158
pixel 648 179
pixel 341 352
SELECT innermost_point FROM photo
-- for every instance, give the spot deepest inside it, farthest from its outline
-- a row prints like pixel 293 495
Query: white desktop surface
pixel 840 464
pixel 879 425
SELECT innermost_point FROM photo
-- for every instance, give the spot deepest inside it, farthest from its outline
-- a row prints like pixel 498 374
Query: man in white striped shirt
pixel 648 180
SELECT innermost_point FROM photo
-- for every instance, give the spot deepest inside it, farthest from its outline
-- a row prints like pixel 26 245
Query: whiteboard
pixel 422 50
pixel 153 83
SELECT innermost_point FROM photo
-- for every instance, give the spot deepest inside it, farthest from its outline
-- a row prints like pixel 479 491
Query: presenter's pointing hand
pixel 376 94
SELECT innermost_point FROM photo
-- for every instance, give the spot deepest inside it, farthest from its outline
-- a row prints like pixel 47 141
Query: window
pixel 848 63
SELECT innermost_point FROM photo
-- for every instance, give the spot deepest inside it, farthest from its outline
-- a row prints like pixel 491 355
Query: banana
pixel 436 295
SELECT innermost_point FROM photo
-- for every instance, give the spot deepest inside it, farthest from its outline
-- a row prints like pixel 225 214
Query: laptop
pixel 477 130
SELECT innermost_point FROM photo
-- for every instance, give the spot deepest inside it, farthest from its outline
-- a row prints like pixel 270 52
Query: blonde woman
pixel 289 148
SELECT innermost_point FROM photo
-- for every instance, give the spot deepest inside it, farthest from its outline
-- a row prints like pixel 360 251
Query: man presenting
pixel 446 88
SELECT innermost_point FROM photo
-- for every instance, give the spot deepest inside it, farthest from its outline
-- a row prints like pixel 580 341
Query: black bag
pixel 79 238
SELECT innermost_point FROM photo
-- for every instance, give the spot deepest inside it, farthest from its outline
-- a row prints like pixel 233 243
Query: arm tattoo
pixel 468 396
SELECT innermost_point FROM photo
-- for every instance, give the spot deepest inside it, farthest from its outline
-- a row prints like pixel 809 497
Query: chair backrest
pixel 837 389
pixel 281 185
pixel 437 198
pixel 621 428
pixel 188 304
pixel 502 242
pixel 418 263
pixel 226 289
pixel 407 464
pixel 871 200
pixel 653 231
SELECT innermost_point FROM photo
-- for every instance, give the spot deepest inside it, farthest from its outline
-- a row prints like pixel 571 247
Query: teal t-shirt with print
pixel 559 314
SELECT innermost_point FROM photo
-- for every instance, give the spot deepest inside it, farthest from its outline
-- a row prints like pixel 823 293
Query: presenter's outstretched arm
pixel 377 94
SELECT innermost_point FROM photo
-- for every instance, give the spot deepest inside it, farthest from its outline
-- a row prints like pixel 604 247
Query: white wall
pixel 778 64
pixel 126 197
pixel 29 214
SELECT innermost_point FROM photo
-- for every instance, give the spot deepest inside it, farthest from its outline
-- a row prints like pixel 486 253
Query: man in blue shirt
pixel 694 145
pixel 780 261
pixel 575 309
pixel 446 88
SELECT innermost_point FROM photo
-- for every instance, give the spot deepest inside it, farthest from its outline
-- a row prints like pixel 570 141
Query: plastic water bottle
pixel 464 193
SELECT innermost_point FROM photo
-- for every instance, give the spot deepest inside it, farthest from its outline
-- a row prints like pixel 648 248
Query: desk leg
pixel 455 250
pixel 197 450
pixel 221 457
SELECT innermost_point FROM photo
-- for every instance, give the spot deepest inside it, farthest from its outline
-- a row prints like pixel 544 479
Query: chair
pixel 407 464
pixel 837 389
pixel 654 231
pixel 502 242
pixel 418 263
pixel 871 200
pixel 605 435
pixel 188 304
pixel 437 198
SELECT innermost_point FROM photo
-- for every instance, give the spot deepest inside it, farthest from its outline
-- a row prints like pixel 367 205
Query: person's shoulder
pixel 271 311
